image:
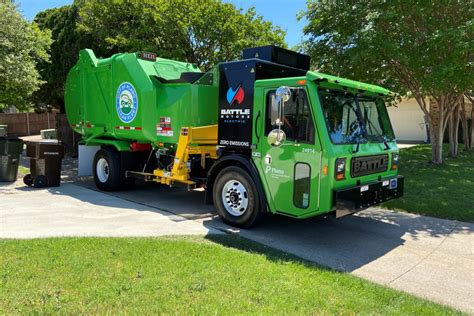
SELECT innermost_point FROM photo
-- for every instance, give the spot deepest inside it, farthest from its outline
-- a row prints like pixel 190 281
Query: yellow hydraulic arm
pixel 192 141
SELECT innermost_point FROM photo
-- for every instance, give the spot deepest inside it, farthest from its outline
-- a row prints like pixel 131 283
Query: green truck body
pixel 339 153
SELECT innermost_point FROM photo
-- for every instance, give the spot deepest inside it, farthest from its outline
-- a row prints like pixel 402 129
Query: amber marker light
pixel 301 82
pixel 325 170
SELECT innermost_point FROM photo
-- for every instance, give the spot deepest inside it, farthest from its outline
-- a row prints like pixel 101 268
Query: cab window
pixel 297 119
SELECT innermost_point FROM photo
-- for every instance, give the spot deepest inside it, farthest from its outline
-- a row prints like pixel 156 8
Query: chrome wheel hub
pixel 235 198
pixel 102 170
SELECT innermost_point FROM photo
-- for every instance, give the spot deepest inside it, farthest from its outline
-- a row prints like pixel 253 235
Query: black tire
pixel 40 182
pixel 28 180
pixel 112 179
pixel 253 212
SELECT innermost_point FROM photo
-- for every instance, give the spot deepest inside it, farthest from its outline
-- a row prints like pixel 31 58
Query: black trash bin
pixel 10 150
pixel 45 163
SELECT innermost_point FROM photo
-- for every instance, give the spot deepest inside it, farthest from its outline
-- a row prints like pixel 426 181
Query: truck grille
pixel 361 166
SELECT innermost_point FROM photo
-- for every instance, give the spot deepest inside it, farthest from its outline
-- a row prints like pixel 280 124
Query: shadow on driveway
pixel 344 244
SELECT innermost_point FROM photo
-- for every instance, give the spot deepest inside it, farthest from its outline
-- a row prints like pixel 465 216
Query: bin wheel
pixel 28 180
pixel 236 198
pixel 40 182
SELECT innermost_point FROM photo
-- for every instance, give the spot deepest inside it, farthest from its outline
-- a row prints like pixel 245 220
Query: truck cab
pixel 329 146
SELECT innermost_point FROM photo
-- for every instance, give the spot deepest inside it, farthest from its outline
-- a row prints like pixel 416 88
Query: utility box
pixel 86 160
pixel 49 134
pixel 3 130
pixel 10 150
pixel 45 163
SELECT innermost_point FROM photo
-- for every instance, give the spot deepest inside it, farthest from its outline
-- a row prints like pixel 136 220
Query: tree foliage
pixel 417 48
pixel 22 46
pixel 64 52
pixel 203 32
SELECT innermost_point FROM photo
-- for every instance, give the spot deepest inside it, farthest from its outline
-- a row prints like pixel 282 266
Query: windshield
pixel 352 119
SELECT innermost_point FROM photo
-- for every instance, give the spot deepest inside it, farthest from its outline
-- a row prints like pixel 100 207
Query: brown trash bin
pixel 45 163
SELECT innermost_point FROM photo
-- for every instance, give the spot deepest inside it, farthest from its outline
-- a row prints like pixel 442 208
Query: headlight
pixel 394 161
pixel 340 169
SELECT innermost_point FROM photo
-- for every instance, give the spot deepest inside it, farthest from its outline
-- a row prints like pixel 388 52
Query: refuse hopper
pixel 10 150
pixel 45 163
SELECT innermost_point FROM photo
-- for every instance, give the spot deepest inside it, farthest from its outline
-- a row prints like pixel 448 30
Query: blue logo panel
pixel 126 102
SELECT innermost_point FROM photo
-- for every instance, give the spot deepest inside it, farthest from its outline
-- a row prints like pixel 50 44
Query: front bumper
pixel 360 197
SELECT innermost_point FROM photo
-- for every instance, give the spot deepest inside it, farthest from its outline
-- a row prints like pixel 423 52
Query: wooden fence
pixel 25 124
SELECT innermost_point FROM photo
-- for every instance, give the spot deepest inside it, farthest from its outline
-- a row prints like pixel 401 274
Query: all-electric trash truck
pixel 261 135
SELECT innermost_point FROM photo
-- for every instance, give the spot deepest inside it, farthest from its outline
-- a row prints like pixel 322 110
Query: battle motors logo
pixel 236 95
pixel 126 102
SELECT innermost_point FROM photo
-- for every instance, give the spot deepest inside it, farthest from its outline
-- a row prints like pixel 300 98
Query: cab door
pixel 291 171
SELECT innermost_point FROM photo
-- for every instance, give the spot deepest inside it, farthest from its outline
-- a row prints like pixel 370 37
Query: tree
pixel 415 48
pixel 201 32
pixel 197 31
pixel 22 46
pixel 64 52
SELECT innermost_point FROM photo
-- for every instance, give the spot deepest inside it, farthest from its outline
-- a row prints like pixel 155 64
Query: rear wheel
pixel 107 170
pixel 40 182
pixel 236 198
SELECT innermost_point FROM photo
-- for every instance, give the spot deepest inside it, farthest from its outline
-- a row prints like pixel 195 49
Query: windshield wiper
pixel 372 127
pixel 356 150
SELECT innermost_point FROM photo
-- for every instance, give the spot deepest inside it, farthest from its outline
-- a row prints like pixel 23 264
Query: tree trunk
pixel 471 141
pixel 451 151
pixel 470 97
pixel 428 129
pixel 436 146
pixel 465 131
pixel 436 132
pixel 453 130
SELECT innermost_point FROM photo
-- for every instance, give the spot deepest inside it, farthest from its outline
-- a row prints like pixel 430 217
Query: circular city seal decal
pixel 126 102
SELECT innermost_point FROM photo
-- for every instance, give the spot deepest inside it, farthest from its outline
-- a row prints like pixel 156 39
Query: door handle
pixel 256 127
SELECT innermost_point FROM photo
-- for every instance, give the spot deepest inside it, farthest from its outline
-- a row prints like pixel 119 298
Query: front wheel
pixel 236 198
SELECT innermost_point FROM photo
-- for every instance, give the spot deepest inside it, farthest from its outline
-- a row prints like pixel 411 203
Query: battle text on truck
pixel 261 135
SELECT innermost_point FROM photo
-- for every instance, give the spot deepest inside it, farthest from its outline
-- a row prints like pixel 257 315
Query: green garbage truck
pixel 261 135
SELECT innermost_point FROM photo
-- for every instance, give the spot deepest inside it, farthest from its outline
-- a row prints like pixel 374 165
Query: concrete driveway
pixel 428 257
pixel 72 210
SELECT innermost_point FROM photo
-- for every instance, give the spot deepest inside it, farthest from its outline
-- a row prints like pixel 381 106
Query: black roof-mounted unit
pixel 278 55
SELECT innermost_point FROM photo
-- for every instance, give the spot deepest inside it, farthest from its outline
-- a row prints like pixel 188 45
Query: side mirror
pixel 283 94
pixel 276 137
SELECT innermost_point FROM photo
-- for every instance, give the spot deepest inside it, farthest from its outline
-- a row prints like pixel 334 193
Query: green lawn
pixel 22 171
pixel 445 191
pixel 182 275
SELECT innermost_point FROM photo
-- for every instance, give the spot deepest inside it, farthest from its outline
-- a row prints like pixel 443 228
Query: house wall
pixel 408 121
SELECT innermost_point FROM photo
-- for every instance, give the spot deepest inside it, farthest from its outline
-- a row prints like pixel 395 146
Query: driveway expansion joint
pixel 425 256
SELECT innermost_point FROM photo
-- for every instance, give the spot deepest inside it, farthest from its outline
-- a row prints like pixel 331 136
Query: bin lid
pixel 10 145
pixel 44 141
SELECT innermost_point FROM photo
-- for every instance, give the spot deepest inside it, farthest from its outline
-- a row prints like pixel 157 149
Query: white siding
pixel 408 121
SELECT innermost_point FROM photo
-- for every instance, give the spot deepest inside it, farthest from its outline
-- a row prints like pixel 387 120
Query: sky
pixel 280 12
